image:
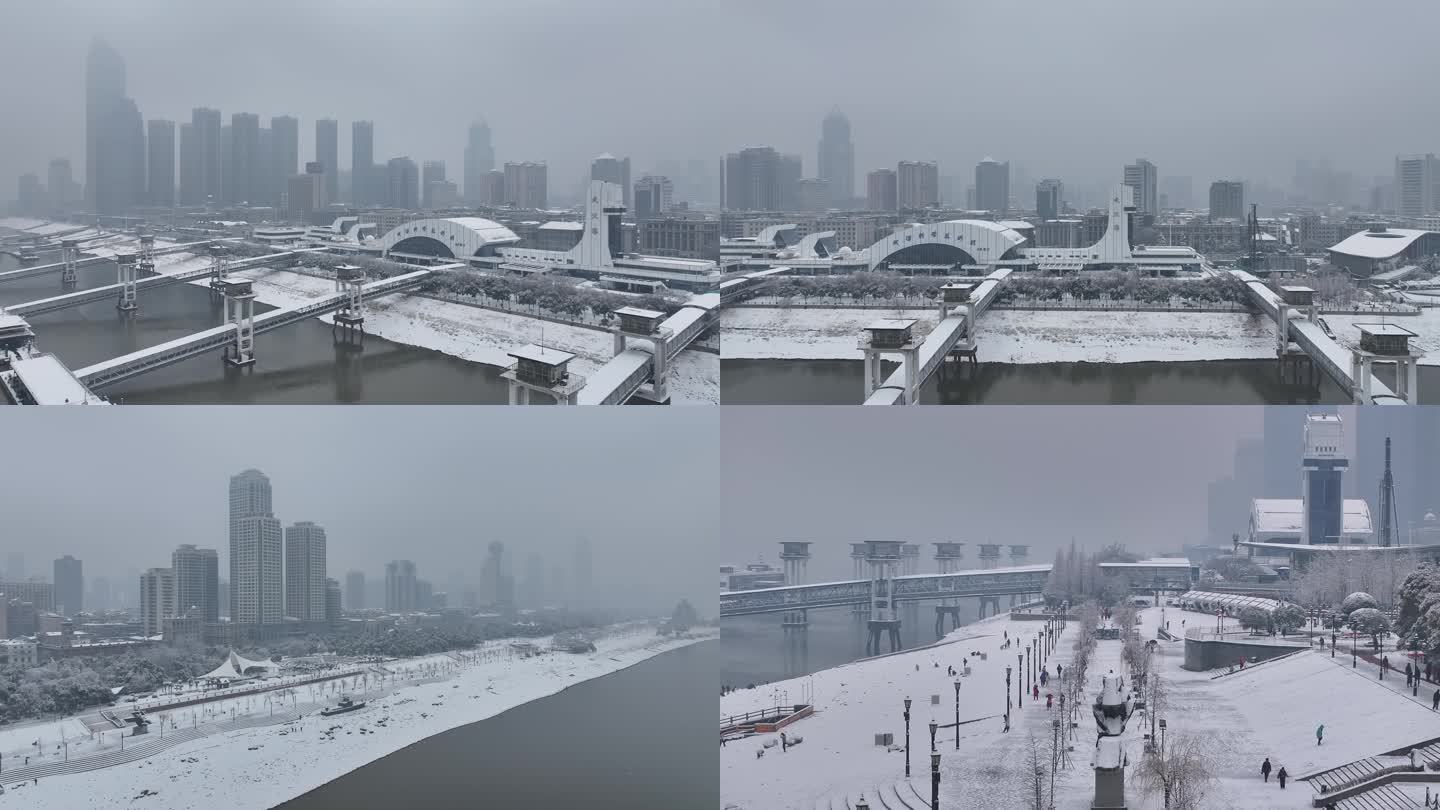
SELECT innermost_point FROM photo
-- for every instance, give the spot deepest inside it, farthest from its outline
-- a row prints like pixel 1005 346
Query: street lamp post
pixel 1353 656
pixel 1028 676
pixel 907 736
pixel 935 781
pixel 933 726
pixel 1007 698
pixel 957 711
pixel 1162 738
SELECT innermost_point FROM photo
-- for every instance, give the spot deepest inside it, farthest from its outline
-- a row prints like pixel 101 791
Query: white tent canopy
pixel 235 667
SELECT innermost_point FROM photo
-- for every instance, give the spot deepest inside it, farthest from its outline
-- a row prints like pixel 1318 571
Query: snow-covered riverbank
pixel 262 767
pixel 1267 711
pixel 1051 336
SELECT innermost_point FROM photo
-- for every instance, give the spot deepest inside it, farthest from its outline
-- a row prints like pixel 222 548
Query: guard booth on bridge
pixel 636 322
pixel 350 318
pixel 1386 343
pixel 891 335
pixel 545 370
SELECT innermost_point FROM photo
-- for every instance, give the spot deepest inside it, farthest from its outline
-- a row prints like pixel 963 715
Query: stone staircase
pixel 902 794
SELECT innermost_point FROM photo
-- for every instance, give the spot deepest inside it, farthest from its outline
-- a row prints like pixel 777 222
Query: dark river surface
pixel 643 738
pixel 299 364
pixel 1203 382
pixel 756 650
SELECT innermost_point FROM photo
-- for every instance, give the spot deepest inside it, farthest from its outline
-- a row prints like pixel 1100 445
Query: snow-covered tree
pixel 1358 600
pixel 1371 622
pixel 1417 585
pixel 1288 617
pixel 1255 619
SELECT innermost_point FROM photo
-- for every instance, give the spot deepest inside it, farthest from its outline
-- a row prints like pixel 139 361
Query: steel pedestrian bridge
pixel 985 582
pixel 119 369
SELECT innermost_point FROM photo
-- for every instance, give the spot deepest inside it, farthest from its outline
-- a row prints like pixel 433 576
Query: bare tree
pixel 1182 774
pixel 1035 761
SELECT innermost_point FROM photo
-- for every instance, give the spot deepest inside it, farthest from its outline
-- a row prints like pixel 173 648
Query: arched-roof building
pixel 963 241
pixel 455 238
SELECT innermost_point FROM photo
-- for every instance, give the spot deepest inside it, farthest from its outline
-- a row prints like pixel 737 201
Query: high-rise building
pixel 492 188
pixel 39 594
pixel 1417 185
pixel 654 196
pixel 355 590
pixel 882 190
pixel 245 161
pixel 332 601
pixel 306 193
pixel 611 169
pixel 402 179
pixel 1049 199
pixel 1144 179
pixel 431 172
pixel 918 184
pixel 157 600
pixel 114 135
pixel 792 168
pixel 305 572
pixel 835 157
pixel 69 586
pixel 160 187
pixel 60 183
pixel 492 574
pixel 479 162
pixel 197 582
pixel 400 586
pixel 992 185
pixel 1227 199
pixel 362 162
pixel 200 157
pixel 327 154
pixel 284 156
pixel 256 585
pixel 526 184
pixel 1323 467
pixel 812 194
pixel 754 180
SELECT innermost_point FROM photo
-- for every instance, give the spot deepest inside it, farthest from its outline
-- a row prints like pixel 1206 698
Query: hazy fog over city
pixel 1037 475
pixel 1220 89
pixel 121 488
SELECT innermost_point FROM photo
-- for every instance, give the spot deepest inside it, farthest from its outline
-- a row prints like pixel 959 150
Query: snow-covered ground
pixel 1048 336
pixel 262 767
pixel 1270 710
pixel 480 335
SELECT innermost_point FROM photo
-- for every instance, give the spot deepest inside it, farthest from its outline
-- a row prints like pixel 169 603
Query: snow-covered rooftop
pixel 1378 245
pixel 1280 515
pixel 51 383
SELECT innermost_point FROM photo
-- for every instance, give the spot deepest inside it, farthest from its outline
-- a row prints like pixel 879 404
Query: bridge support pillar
pixel 645 325
pixel 240 312
pixel 1282 329
pixel 125 263
pixel 796 556
pixel 993 602
pixel 219 265
pixel 883 556
pixel 70 254
pixel 350 318
pixel 942 611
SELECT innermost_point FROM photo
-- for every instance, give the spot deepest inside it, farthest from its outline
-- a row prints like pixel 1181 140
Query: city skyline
pixel 450 509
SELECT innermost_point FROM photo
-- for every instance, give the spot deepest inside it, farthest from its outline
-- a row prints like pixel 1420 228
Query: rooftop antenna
pixel 1388 514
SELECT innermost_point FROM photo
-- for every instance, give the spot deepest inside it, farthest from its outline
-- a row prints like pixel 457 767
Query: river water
pixel 639 739
pixel 1206 382
pixel 300 364
pixel 756 650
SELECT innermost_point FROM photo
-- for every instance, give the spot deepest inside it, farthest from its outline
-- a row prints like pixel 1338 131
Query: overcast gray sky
pixel 121 487
pixel 1217 89
pixel 1023 474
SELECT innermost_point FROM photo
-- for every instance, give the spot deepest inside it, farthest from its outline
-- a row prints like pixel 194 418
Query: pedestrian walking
pixel 1049 700
pixel 1435 701
pixel 1035 692
pixel 1320 734
pixel 1409 675
pixel 1265 769
pixel 784 743
pixel 1282 776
